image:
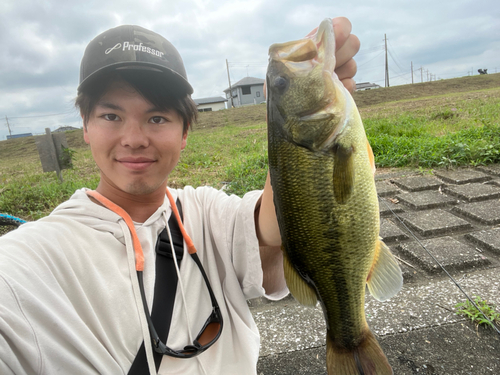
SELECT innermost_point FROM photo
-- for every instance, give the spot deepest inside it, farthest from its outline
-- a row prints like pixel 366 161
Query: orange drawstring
pixel 139 255
pixel 187 239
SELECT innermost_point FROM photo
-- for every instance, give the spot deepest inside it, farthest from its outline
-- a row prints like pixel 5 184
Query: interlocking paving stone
pixel 492 169
pixel 487 239
pixel 494 181
pixel 426 199
pixel 418 183
pixel 462 176
pixel 451 253
pixel 390 232
pixel 434 222
pixel 386 189
pixel 473 192
pixel 387 207
pixel 486 213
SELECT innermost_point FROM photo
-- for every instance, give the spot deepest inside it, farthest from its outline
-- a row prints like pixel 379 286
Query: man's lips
pixel 136 164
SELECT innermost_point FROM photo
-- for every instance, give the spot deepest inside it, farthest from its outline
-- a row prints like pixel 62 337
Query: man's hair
pixel 153 88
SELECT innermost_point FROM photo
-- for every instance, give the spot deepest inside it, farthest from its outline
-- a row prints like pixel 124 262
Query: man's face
pixel 134 144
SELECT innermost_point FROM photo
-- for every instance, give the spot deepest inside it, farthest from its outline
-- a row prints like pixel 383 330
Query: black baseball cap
pixel 133 47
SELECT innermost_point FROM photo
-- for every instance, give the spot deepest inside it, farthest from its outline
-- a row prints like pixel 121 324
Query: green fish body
pixel 321 168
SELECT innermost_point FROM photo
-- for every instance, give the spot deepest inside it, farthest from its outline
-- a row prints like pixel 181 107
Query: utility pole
pixel 412 72
pixel 8 126
pixel 386 63
pixel 421 74
pixel 230 89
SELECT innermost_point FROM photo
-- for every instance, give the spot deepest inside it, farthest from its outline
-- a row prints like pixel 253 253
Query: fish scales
pixel 326 227
pixel 321 169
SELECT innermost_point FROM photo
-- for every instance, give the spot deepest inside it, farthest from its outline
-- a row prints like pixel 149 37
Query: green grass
pixel 468 134
pixel 468 310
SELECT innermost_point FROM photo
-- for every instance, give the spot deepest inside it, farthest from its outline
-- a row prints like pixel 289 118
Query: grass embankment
pixel 443 123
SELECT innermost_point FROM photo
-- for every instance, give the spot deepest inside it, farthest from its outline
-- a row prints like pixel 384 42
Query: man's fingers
pixel 349 84
pixel 347 51
pixel 348 70
pixel 342 28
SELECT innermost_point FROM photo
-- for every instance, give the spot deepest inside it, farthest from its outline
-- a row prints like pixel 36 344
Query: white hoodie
pixel 69 296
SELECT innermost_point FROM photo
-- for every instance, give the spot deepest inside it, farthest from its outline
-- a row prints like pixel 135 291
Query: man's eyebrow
pixel 116 107
pixel 109 105
pixel 157 109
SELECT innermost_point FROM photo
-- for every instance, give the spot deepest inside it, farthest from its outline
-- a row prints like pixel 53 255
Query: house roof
pixel 213 99
pixel 64 129
pixel 247 81
pixel 363 85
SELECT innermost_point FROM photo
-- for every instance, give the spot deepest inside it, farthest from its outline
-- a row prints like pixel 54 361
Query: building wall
pixel 214 106
pixel 255 96
pixel 252 97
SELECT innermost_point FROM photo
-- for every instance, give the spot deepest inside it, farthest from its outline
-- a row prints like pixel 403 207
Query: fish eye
pixel 280 83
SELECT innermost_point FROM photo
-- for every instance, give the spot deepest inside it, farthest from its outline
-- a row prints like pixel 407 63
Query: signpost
pixel 51 150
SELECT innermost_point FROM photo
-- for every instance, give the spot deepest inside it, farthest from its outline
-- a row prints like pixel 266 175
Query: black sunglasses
pixel 208 335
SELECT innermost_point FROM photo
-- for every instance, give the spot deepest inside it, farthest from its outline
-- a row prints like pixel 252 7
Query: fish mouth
pixel 300 57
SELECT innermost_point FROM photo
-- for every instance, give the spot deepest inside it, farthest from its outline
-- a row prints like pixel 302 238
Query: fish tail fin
pixel 366 359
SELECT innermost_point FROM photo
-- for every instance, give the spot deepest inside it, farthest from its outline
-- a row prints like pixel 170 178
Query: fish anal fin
pixel 300 289
pixel 343 172
pixel 385 278
pixel 365 359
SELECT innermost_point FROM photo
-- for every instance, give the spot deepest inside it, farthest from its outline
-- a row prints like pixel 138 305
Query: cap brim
pixel 178 82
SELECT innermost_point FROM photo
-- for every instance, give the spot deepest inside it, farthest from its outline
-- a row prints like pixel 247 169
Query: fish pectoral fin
pixel 299 288
pixel 385 278
pixel 343 172
pixel 371 157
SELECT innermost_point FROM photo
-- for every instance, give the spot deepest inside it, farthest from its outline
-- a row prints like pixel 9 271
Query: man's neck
pixel 139 207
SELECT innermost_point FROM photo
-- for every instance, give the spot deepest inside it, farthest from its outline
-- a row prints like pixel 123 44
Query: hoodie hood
pixel 80 207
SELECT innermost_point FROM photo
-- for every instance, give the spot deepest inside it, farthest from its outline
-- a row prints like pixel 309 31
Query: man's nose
pixel 134 134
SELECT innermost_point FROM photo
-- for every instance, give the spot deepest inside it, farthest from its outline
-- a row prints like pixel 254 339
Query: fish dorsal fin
pixel 385 278
pixel 299 288
pixel 343 172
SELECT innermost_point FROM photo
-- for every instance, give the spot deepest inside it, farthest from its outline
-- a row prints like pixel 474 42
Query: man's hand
pixel 346 45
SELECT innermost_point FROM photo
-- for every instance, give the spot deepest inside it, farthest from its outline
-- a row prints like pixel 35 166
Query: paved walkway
pixel 456 215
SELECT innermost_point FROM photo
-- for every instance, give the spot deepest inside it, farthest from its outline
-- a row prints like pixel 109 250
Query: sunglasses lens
pixel 209 334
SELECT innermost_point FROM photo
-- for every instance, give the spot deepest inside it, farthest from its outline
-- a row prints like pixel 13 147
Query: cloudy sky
pixel 42 42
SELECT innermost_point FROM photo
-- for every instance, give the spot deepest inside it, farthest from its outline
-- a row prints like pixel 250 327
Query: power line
pixel 53 114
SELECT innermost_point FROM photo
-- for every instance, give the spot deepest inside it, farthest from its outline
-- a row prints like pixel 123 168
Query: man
pixel 78 286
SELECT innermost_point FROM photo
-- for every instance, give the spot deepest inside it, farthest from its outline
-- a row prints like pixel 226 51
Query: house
pixel 64 129
pixel 22 135
pixel 210 104
pixel 247 91
pixel 366 86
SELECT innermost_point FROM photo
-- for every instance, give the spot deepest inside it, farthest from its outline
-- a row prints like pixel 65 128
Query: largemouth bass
pixel 322 168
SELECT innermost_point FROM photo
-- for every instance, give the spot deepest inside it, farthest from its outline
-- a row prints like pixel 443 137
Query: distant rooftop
pixel 213 99
pixel 64 129
pixel 247 81
pixel 366 86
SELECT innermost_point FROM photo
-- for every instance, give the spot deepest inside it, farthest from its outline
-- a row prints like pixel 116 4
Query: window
pixel 204 109
pixel 257 94
pixel 245 90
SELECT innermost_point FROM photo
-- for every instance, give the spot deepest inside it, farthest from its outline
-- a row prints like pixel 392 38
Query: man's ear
pixel 85 133
pixel 184 140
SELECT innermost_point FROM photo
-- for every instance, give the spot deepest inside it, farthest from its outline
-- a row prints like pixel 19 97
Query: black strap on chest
pixel 165 287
